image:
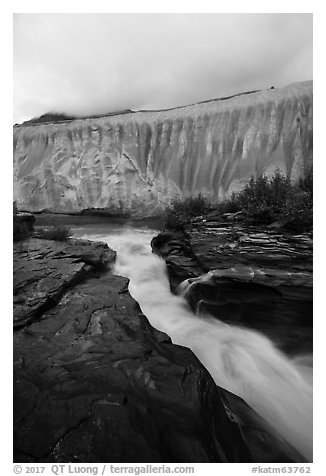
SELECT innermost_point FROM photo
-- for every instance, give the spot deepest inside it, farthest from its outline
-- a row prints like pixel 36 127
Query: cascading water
pixel 240 360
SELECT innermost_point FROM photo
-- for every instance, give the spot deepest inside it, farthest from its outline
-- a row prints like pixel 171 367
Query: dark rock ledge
pixel 45 269
pixel 256 276
pixel 94 382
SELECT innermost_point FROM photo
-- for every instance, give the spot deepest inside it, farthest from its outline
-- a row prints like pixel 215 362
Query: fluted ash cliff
pixel 134 163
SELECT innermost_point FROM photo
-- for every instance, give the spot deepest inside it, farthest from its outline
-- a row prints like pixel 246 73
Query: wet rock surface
pixel 252 276
pixel 94 382
pixel 44 269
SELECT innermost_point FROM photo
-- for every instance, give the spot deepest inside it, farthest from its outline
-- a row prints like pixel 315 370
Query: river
pixel 241 360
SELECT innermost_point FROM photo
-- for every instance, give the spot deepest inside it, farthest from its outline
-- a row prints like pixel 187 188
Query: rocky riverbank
pixel 94 382
pixel 259 277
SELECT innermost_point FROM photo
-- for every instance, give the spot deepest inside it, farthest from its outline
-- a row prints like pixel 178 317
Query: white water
pixel 240 360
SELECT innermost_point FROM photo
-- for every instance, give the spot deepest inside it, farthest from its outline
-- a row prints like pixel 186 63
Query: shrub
pixel 20 231
pixel 231 205
pixel 306 182
pixel 265 200
pixel 23 225
pixel 298 213
pixel 182 211
pixel 57 233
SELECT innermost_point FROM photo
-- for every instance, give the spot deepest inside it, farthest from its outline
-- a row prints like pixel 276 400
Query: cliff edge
pixel 135 163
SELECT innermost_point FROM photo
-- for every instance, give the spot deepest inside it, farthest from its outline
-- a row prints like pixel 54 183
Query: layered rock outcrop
pixel 135 163
pixel 255 277
pixel 94 382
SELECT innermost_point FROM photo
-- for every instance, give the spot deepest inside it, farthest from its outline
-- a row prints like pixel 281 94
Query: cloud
pixel 95 63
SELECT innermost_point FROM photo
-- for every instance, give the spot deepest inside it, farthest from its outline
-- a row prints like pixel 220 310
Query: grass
pixel 23 229
pixel 56 233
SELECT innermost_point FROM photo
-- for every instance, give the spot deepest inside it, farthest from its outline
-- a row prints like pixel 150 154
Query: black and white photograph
pixel 162 242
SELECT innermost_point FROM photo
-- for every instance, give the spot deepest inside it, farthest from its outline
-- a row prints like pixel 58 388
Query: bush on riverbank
pixel 20 231
pixel 262 201
pixel 266 200
pixel 23 224
pixel 181 211
pixel 56 233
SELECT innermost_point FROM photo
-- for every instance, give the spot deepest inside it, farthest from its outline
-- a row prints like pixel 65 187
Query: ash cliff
pixel 134 163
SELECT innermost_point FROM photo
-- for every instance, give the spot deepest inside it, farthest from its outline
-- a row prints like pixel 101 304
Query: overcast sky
pixel 96 63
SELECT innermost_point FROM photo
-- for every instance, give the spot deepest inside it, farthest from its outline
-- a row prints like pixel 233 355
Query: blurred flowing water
pixel 241 360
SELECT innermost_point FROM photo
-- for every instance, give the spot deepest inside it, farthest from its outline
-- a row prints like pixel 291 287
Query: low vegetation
pixel 266 200
pixel 20 231
pixel 57 233
pixel 23 228
pixel 262 201
pixel 23 224
pixel 181 211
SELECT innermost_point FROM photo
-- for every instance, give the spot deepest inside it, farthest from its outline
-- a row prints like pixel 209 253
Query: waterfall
pixel 241 360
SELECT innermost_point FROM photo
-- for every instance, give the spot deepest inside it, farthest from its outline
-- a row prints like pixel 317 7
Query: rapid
pixel 241 360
